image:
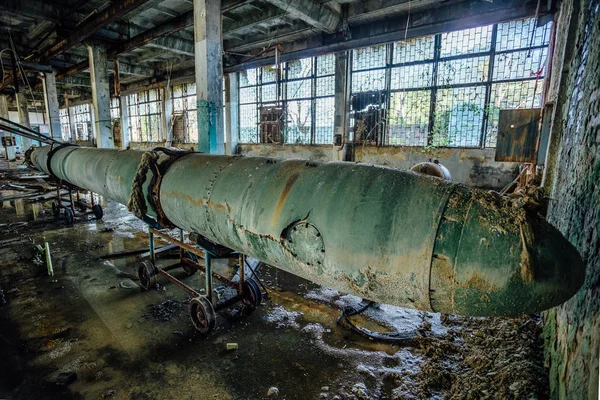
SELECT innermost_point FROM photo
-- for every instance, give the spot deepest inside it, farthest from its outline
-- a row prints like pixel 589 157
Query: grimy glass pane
pixel 299 68
pixel 468 41
pixel 464 70
pixel 299 89
pixel 299 122
pixel 417 49
pixel 248 124
pixel 517 34
pixel 326 65
pixel 458 117
pixel 325 111
pixel 413 76
pixel 369 57
pixel 326 86
pixel 367 81
pixel 249 77
pixel 409 118
pixel 520 65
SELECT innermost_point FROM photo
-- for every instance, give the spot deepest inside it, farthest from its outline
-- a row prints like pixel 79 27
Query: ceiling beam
pixel 168 28
pixel 446 18
pixel 109 15
pixel 312 12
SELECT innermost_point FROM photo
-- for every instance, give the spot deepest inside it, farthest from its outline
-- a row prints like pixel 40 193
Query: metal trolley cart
pixel 202 308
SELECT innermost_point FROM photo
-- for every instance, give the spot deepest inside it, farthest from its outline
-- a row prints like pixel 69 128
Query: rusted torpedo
pixel 382 234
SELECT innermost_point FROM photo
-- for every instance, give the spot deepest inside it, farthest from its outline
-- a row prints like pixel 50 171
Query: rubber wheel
pixel 69 217
pixel 252 296
pixel 147 275
pixel 202 314
pixel 55 209
pixel 97 210
pixel 188 269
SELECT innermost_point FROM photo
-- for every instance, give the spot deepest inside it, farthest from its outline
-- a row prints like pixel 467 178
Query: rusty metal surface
pixel 518 135
pixel 379 233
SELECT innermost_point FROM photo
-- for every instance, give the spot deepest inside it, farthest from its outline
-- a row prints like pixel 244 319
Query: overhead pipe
pixel 383 234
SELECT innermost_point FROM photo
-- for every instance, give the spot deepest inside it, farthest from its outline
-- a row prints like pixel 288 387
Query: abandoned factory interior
pixel 300 199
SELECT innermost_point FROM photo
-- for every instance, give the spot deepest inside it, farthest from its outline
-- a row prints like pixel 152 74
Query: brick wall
pixel 572 331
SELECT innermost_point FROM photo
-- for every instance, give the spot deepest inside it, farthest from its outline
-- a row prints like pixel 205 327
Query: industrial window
pixel 447 89
pixel 185 113
pixel 65 125
pixel 144 116
pixel 82 121
pixel 292 104
pixel 115 109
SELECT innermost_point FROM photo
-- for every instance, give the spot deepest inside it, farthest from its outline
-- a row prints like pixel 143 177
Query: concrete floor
pixel 126 343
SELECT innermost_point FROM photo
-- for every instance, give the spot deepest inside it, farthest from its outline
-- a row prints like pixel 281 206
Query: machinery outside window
pixel 292 103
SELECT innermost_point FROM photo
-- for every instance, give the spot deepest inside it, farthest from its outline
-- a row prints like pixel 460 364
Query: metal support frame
pixel 190 266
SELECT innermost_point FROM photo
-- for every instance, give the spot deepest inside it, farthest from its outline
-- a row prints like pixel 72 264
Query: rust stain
pixel 219 207
pixel 283 196
pixel 479 281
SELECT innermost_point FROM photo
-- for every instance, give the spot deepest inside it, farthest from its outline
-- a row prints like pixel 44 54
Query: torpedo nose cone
pixel 503 260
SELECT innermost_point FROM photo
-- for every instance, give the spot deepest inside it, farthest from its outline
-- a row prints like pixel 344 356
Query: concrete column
pixel 232 113
pixel 209 75
pixel 124 121
pixel 100 96
pixel 51 99
pixel 340 122
pixel 167 115
pixel 10 151
pixel 23 117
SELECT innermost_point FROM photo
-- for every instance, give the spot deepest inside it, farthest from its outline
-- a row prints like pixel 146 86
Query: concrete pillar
pixel 340 122
pixel 167 115
pixel 23 118
pixel 124 121
pixel 10 151
pixel 100 96
pixel 209 75
pixel 232 113
pixel 51 99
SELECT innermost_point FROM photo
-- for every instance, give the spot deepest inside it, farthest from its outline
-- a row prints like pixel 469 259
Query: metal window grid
pixel 144 116
pixel 82 120
pixel 447 89
pixel 65 124
pixel 185 105
pixel 115 108
pixel 304 89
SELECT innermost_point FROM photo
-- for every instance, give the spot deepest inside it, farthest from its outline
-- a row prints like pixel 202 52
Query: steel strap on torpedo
pixel 157 161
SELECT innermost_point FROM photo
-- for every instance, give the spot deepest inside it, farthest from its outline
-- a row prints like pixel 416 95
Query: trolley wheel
pixel 188 269
pixel 55 209
pixel 252 296
pixel 147 274
pixel 97 210
pixel 69 217
pixel 202 314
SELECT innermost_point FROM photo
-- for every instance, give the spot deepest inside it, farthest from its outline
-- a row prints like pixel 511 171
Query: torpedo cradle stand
pixel 71 208
pixel 192 259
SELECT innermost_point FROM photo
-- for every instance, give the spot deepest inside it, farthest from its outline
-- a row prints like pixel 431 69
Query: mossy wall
pixel 572 331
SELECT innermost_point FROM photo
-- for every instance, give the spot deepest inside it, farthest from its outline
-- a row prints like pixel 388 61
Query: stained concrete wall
pixel 473 167
pixel 572 331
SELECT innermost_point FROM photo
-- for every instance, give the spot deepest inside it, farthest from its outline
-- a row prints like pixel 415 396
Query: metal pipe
pixel 383 234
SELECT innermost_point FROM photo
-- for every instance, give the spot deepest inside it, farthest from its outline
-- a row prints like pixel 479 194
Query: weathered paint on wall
pixel 572 331
pixel 473 167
